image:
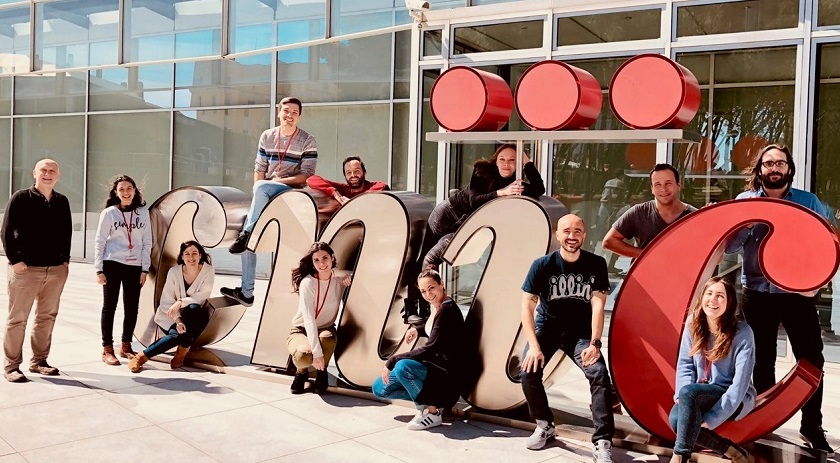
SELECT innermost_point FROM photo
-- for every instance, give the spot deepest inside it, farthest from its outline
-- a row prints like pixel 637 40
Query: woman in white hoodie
pixel 181 312
pixel 122 255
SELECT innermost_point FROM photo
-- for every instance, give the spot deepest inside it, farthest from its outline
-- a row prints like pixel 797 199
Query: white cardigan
pixel 173 290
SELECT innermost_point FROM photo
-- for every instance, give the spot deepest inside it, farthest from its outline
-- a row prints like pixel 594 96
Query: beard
pixel 571 247
pixel 782 182
pixel 356 182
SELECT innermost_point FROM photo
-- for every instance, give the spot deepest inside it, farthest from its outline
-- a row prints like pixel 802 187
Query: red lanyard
pixel 128 227
pixel 288 143
pixel 318 296
pixel 707 370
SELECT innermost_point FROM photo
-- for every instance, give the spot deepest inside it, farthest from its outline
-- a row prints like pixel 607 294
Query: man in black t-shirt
pixel 571 287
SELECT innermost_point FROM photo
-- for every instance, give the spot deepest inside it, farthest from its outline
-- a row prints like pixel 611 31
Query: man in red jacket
pixel 354 174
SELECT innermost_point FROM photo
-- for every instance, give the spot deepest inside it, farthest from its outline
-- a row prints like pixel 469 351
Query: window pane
pixel 61 139
pixel 777 64
pixel 135 87
pixel 349 16
pixel 5 96
pixel 724 18
pixel 301 22
pixel 222 82
pixel 350 70
pixel 217 147
pixel 427 171
pixel 123 144
pixel 432 42
pixel 610 27
pixel 251 27
pixel 399 148
pixel 76 33
pixel 166 29
pixel 828 15
pixel 5 156
pixel 402 64
pixel 499 37
pixel 62 92
pixel 341 131
pixel 14 40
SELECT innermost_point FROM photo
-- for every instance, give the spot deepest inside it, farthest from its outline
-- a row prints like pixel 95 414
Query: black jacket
pixel 442 356
pixel 35 231
pixel 486 180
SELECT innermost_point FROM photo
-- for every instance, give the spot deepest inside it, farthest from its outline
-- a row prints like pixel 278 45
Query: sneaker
pixel 815 438
pixel 545 432
pixel 236 295
pixel 322 382
pixel 426 420
pixel 602 451
pixel 43 368
pixel 241 244
pixel 299 383
pixel 737 454
pixel 15 376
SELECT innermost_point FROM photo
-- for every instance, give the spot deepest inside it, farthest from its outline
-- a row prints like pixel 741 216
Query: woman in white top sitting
pixel 181 312
pixel 313 337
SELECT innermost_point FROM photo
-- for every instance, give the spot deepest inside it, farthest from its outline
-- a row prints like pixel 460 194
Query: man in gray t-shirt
pixel 643 222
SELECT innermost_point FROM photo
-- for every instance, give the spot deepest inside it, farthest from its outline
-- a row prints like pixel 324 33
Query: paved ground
pixel 93 412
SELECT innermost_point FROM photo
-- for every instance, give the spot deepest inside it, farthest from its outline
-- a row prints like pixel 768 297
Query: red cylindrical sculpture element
pixel 650 91
pixel 464 99
pixel 552 95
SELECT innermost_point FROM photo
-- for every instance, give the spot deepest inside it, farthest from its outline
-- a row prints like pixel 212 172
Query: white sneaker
pixel 544 433
pixel 602 452
pixel 426 420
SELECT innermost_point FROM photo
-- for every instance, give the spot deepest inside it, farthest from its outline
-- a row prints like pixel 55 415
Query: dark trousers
pixel 798 315
pixel 127 276
pixel 195 318
pixel 597 374
pixel 443 223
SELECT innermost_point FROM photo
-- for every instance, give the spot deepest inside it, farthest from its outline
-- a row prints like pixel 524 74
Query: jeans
pixel 194 317
pixel 443 223
pixel 45 285
pixel 264 190
pixel 404 382
pixel 128 276
pixel 249 272
pixel 687 416
pixel 600 386
pixel 798 315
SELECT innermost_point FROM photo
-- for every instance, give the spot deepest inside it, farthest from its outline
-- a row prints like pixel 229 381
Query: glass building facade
pixel 176 92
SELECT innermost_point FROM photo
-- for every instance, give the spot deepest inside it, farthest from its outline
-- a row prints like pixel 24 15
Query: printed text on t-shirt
pixel 570 287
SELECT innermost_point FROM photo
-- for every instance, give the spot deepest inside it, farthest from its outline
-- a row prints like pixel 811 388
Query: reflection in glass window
pixel 14 40
pixel 5 156
pixel 402 64
pixel 60 138
pixel 133 144
pixel 217 147
pixel 499 37
pixel 608 27
pixel 5 96
pixel 729 17
pixel 827 180
pixel 135 87
pixel 349 16
pixel 76 33
pixel 427 172
pixel 399 148
pixel 829 13
pixel 251 25
pixel 349 70
pixel 167 29
pixel 61 92
pixel 222 82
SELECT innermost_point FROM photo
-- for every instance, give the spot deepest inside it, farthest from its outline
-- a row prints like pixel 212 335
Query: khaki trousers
pixel 45 285
pixel 297 338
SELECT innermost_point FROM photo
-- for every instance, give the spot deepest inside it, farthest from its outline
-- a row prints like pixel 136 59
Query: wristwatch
pixel 596 343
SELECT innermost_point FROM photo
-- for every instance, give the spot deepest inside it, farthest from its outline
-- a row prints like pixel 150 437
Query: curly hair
pixel 114 200
pixel 306 267
pixel 754 171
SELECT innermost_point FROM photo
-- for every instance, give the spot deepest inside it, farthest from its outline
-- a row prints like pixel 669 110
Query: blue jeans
pixel 264 190
pixel 687 416
pixel 404 382
pixel 195 318
pixel 600 387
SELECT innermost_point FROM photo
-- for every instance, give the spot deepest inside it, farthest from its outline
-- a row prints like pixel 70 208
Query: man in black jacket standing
pixel 36 233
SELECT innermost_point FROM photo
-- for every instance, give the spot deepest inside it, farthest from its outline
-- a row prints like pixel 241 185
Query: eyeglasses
pixel 770 164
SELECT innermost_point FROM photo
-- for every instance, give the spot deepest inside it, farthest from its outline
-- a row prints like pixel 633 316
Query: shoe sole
pixel 547 440
pixel 45 373
pixel 234 298
pixel 811 445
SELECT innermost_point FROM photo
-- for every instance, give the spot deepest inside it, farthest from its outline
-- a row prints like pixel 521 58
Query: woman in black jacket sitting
pixel 428 375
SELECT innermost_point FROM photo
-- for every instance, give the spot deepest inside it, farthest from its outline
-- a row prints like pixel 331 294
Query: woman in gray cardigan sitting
pixel 181 313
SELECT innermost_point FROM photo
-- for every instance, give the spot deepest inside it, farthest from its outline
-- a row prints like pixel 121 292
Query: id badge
pixel 130 259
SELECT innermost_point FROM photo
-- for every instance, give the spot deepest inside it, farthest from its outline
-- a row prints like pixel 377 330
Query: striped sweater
pixel 277 156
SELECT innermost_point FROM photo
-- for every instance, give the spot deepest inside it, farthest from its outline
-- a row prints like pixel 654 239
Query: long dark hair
pixel 754 171
pixel 114 200
pixel 728 322
pixel 204 257
pixel 305 266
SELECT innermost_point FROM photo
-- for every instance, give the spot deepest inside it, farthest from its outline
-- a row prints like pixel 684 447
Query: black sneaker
pixel 299 383
pixel 321 382
pixel 236 295
pixel 815 438
pixel 241 244
pixel 43 368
